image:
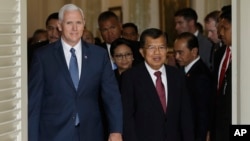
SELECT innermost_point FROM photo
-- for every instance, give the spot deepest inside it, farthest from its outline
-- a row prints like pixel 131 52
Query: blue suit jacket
pixel 53 100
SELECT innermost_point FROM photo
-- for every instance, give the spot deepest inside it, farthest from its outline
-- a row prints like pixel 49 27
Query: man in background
pixel 111 29
pixel 51 27
pixel 186 21
pixel 130 31
pixel 52 33
pixel 211 23
pixel 198 80
pixel 223 79
pixel 88 36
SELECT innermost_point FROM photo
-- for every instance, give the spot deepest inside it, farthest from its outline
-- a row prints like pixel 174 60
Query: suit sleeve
pixel 187 124
pixel 128 101
pixel 35 92
pixel 111 97
pixel 203 88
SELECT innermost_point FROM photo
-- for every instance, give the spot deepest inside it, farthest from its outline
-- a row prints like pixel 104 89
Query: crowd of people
pixel 127 88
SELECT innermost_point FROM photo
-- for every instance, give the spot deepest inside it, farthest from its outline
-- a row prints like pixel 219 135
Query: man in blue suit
pixel 61 109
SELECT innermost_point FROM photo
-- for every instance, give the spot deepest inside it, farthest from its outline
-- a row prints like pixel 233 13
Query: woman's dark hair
pixel 117 42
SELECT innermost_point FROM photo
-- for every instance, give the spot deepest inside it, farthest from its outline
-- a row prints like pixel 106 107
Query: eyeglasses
pixel 121 56
pixel 152 48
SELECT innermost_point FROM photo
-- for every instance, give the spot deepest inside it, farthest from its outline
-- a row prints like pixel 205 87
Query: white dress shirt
pixel 78 52
pixel 163 78
pixel 189 66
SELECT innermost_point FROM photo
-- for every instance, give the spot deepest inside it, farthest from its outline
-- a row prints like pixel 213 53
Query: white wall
pixel 203 7
pixel 241 65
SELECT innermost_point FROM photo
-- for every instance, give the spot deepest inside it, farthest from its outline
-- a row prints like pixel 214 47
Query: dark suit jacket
pixel 135 49
pixel 199 84
pixel 222 100
pixel 144 119
pixel 118 77
pixel 205 47
pixel 54 102
pixel 32 48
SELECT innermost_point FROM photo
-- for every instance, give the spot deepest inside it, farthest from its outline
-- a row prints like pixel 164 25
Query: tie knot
pixel 157 74
pixel 72 50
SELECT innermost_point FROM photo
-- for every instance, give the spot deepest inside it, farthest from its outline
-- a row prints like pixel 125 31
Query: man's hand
pixel 115 137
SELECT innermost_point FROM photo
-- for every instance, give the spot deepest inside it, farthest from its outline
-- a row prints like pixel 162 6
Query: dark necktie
pixel 73 69
pixel 160 90
pixel 224 67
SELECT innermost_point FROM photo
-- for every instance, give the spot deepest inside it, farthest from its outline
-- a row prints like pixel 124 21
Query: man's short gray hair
pixel 68 7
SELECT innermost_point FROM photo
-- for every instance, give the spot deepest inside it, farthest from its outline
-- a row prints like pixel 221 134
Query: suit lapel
pixel 193 68
pixel 218 57
pixel 171 82
pixel 150 89
pixel 84 70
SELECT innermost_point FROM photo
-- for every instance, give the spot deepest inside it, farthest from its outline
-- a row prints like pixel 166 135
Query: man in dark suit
pixel 52 32
pixel 211 22
pixel 66 79
pixel 223 79
pixel 111 29
pixel 186 21
pixel 130 31
pixel 198 80
pixel 147 116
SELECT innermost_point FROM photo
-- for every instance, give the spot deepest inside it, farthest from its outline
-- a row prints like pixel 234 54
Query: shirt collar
pixel 196 33
pixel 67 47
pixel 189 66
pixel 152 71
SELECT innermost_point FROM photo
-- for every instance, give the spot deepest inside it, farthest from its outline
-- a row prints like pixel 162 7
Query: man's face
pixel 211 30
pixel 225 31
pixel 72 27
pixel 88 37
pixel 53 33
pixel 110 29
pixel 155 52
pixel 183 54
pixel 181 25
pixel 130 33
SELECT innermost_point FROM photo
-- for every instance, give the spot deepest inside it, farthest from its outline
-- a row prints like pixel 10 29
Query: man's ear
pixel 141 51
pixel 195 51
pixel 59 26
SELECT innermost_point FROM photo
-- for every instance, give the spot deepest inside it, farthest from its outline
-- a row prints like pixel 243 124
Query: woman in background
pixel 122 55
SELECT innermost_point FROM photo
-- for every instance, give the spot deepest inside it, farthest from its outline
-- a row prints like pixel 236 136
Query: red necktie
pixel 160 90
pixel 224 67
